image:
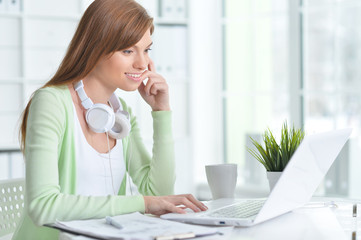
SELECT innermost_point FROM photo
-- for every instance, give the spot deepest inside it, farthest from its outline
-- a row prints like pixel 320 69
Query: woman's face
pixel 123 68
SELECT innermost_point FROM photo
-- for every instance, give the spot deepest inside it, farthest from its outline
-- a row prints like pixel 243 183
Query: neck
pixel 96 91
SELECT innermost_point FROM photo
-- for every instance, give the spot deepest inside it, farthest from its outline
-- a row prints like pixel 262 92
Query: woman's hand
pixel 155 92
pixel 159 205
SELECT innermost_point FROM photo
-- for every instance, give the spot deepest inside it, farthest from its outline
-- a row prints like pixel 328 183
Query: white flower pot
pixel 273 178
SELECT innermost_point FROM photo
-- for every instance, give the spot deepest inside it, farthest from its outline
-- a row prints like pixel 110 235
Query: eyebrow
pixel 146 47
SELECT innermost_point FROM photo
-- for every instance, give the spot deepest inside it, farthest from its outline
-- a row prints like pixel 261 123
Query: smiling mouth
pixel 134 76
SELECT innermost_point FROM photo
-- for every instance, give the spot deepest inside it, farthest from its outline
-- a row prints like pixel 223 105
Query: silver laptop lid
pixel 303 174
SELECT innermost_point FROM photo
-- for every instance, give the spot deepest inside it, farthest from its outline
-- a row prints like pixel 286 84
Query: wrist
pixel 165 108
pixel 145 204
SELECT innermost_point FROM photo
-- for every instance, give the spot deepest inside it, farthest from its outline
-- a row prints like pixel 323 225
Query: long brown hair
pixel 107 26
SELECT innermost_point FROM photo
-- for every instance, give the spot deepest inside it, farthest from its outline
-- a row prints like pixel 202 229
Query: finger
pixel 141 89
pixel 185 201
pixel 151 65
pixel 199 204
pixel 172 208
pixel 158 87
pixel 149 85
pixel 150 74
pixel 145 75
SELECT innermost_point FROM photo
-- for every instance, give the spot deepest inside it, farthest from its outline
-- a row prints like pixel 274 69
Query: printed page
pixel 135 226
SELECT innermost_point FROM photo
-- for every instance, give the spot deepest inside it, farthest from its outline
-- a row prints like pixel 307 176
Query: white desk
pixel 315 221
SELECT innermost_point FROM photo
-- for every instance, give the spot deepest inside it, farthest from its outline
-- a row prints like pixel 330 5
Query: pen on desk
pixel 181 236
pixel 354 210
pixel 176 236
pixel 111 221
pixel 354 214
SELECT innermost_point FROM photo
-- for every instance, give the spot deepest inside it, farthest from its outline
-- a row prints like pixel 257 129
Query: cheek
pixel 147 58
pixel 116 66
pixel 116 61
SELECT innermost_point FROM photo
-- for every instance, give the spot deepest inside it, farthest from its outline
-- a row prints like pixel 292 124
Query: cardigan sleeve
pixel 153 175
pixel 45 199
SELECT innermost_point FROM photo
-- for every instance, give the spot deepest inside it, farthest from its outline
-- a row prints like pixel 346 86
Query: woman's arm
pixel 153 175
pixel 46 199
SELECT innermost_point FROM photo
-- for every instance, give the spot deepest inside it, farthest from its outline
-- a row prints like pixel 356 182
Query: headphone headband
pixel 85 100
pixel 88 103
pixel 102 118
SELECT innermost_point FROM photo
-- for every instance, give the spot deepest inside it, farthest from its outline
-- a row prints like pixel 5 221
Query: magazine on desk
pixel 134 226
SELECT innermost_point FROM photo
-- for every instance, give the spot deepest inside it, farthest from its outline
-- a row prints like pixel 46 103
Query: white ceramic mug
pixel 222 179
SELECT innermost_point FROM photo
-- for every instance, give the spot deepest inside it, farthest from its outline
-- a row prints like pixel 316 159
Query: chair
pixel 12 193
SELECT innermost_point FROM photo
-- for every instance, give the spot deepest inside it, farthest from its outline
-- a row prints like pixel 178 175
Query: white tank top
pixel 93 170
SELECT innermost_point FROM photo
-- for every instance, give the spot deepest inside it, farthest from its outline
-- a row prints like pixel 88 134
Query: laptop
pixel 302 175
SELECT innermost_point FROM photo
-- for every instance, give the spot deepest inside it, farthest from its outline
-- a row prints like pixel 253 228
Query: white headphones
pixel 101 118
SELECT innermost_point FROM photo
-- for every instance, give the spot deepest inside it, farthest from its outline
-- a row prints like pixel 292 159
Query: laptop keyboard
pixel 240 210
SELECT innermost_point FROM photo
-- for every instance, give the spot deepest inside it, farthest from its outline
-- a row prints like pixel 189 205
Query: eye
pixel 147 50
pixel 127 51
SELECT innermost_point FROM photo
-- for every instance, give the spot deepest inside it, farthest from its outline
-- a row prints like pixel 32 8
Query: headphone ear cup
pixel 121 127
pixel 100 118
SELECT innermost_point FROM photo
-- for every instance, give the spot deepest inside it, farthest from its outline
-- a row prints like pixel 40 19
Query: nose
pixel 141 61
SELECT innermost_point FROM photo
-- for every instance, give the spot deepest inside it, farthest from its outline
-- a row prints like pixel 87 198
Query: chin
pixel 130 88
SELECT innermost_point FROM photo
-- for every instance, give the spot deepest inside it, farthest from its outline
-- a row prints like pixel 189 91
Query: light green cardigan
pixel 51 167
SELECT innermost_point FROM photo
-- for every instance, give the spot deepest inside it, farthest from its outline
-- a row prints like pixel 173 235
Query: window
pixel 296 61
pixel 255 85
pixel 331 83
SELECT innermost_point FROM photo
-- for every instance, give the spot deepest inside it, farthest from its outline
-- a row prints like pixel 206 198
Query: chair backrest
pixel 12 193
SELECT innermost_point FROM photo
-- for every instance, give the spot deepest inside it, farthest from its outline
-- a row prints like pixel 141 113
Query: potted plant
pixel 273 156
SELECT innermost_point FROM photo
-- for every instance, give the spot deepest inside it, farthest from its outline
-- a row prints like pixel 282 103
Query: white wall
pixel 206 80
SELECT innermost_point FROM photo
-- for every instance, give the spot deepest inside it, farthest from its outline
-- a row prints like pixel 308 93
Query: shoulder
pixel 58 92
pixel 55 99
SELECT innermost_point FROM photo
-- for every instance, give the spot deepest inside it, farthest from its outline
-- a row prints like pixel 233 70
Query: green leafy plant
pixel 274 156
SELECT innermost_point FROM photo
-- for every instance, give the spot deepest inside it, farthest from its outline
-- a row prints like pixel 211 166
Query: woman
pixel 74 131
